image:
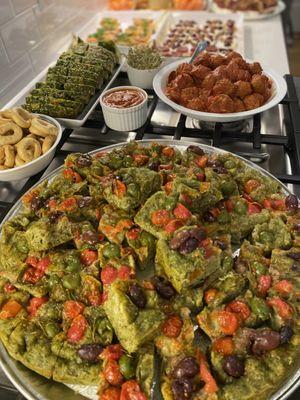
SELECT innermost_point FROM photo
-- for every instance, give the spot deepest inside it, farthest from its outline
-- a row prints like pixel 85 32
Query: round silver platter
pixel 34 386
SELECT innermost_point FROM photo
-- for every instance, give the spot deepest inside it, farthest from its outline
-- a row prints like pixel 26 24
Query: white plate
pixel 201 17
pixel 160 82
pixel 250 15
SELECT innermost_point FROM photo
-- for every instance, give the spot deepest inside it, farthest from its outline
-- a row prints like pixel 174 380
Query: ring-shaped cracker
pixel 18 161
pixel 10 133
pixel 48 143
pixel 7 155
pixel 21 117
pixel 29 149
pixel 43 128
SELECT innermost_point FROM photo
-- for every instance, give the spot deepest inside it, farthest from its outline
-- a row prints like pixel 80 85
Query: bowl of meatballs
pixel 219 88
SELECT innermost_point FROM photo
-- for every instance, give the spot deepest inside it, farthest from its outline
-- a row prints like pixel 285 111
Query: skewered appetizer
pixel 260 6
pixel 72 308
pixel 219 84
pixel 23 137
pixel 70 84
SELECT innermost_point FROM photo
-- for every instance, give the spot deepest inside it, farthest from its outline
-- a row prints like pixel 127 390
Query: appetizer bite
pixel 259 6
pixel 218 83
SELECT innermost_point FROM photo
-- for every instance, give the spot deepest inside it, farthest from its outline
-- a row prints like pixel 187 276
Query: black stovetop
pixel 270 139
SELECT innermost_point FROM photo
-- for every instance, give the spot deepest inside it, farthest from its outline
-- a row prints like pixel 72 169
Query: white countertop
pixel 264 42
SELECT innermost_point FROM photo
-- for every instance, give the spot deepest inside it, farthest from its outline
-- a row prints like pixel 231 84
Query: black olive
pixel 233 366
pixel 90 352
pixel 186 368
pixel 36 204
pixel 291 202
pixel 265 340
pixel 178 239
pixel 198 233
pixel 286 333
pixel 90 237
pixel 182 389
pixel 85 160
pixel 137 295
pixel 163 287
pixel 214 163
pixel 220 170
pixel 84 201
pixel 222 245
pixel 195 149
pixel 54 216
pixel 294 256
pixel 154 166
pixel 208 217
pixel 188 246
pixel 295 268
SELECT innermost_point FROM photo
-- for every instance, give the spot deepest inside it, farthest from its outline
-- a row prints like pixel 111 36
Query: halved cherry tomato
pixel 284 287
pixel 224 346
pixel 51 204
pixel 168 151
pixel 27 198
pixel 112 373
pixel 251 185
pixel 283 309
pixel 215 211
pixel 71 175
pixel 77 329
pixel 120 188
pixel 228 322
pixel 112 352
pixel 88 256
pixel 210 294
pixel 254 208
pixel 125 273
pixel 10 309
pixel 173 225
pixel 111 393
pixel 108 275
pixel 140 159
pixel 43 264
pixel 240 308
pixel 172 326
pixel 32 261
pixel 95 298
pixel 73 308
pixel 69 204
pixel 200 177
pixel 264 284
pixel 210 386
pixel 186 198
pixel 133 234
pixel 267 203
pixel 9 288
pixel 160 217
pixel 201 161
pixel 181 212
pixel 32 275
pixel 168 187
pixel 131 391
pixel 279 205
pixel 34 304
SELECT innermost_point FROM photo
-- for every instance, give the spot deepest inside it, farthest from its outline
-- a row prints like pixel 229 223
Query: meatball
pixel 173 94
pixel 237 74
pixel 242 89
pixel 267 95
pixel 188 94
pixel 216 60
pixel 221 72
pixel 232 55
pixel 198 103
pixel 172 76
pixel 199 73
pixel 221 103
pixel 259 83
pixel 202 59
pixel 209 81
pixel 183 81
pixel 184 68
pixel 253 100
pixel 224 86
pixel 239 105
pixel 255 68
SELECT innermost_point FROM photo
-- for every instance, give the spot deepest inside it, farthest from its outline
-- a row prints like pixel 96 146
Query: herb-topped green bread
pixel 145 269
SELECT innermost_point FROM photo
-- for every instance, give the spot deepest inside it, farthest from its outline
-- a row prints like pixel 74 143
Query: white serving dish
pixel 250 15
pixel 125 119
pixel 201 17
pixel 142 78
pixel 160 82
pixel 37 165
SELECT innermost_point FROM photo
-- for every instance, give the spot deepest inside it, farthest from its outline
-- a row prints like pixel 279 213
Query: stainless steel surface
pixel 35 387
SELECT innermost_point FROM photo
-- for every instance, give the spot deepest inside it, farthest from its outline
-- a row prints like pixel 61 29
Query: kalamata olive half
pixel 178 239
pixel 182 389
pixel 137 295
pixel 291 202
pixel 36 204
pixel 163 287
pixel 294 256
pixel 220 170
pixel 233 366
pixel 84 201
pixel 90 237
pixel 188 367
pixel 286 333
pixel 54 216
pixel 85 160
pixel 265 340
pixel 90 352
pixel 214 164
pixel 198 233
pixel 195 149
pixel 188 246
pixel 154 166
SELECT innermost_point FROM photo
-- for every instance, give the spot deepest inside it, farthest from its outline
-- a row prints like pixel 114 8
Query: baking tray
pixel 19 99
pixel 35 387
pixel 201 17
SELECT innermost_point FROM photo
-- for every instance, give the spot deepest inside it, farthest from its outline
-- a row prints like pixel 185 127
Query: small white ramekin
pixel 125 119
pixel 142 78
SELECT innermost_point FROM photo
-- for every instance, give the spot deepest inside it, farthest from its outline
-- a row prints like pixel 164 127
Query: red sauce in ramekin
pixel 123 98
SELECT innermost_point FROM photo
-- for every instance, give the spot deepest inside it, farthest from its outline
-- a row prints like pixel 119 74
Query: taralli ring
pixel 10 133
pixel 18 161
pixel 7 155
pixel 47 144
pixel 29 149
pixel 21 117
pixel 43 128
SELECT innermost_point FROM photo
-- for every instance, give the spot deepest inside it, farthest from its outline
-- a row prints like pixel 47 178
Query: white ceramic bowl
pixel 37 165
pixel 278 92
pixel 125 119
pixel 142 78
